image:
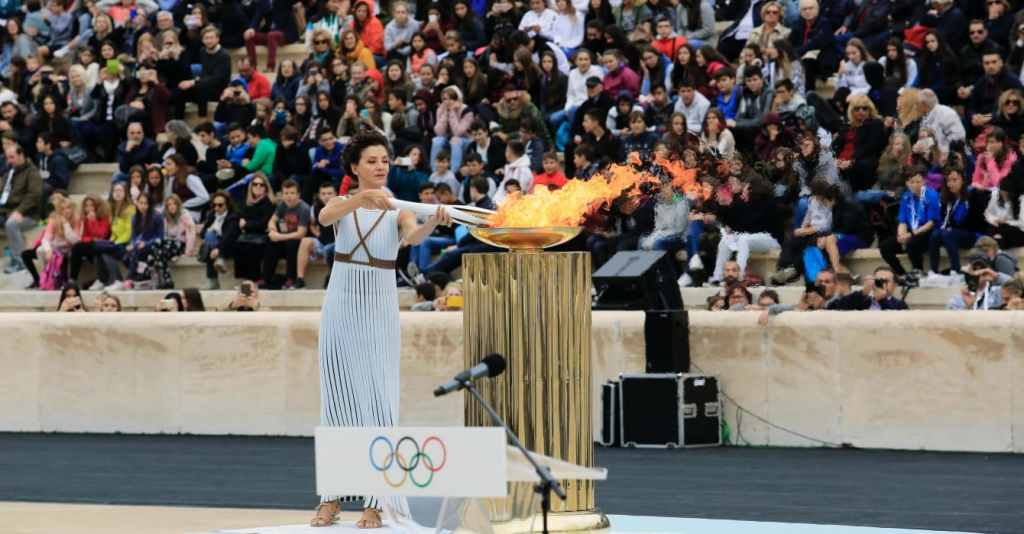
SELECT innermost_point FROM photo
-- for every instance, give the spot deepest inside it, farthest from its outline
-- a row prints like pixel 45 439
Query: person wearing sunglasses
pixel 986 91
pixel 859 144
pixel 219 235
pixel 771 29
pixel 971 53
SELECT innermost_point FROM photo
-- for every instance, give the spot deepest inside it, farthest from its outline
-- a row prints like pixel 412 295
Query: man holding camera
pixel 247 298
pixel 877 294
pixel 985 288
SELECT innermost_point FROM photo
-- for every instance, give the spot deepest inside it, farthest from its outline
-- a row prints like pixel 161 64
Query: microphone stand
pixel 547 481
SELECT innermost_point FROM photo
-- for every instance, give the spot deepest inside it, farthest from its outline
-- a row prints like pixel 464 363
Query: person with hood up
pixel 773 135
pixel 452 127
pixel 369 27
pixel 517 169
pixel 617 120
pixel 425 104
pixel 515 105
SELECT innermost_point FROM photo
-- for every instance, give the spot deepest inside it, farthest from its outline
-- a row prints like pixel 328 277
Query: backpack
pixel 52 278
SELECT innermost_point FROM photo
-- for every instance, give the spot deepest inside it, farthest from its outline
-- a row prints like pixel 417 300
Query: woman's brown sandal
pixel 326 514
pixel 373 521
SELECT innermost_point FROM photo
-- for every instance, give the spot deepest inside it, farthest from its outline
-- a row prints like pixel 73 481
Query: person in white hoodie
pixel 518 169
pixel 451 128
pixel 576 94
pixel 693 105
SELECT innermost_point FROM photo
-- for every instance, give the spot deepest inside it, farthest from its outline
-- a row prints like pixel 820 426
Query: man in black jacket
pixel 596 100
pixel 490 148
pixel 214 77
pixel 877 294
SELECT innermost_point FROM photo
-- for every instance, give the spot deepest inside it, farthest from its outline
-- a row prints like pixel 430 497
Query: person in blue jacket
pixel 147 227
pixel 326 163
pixel 920 214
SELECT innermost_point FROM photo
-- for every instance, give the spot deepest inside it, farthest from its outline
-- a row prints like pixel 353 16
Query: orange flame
pixel 570 205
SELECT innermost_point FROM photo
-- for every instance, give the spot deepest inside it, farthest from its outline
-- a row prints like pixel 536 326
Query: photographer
pixel 170 303
pixel 876 295
pixel 235 107
pixel 985 289
pixel 247 299
pixel 821 294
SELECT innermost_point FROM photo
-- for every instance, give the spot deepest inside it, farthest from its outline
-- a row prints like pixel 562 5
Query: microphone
pixel 491 366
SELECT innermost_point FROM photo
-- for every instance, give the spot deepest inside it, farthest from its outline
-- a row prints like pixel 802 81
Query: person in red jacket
pixel 256 83
pixel 96 228
pixel 619 76
pixel 369 28
pixel 550 178
pixel 668 43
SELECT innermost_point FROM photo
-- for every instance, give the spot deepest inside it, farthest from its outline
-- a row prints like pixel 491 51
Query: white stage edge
pixel 627 524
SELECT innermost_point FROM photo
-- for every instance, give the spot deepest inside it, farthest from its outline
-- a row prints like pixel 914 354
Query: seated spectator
pixel 551 178
pixel 961 223
pixel 891 166
pixel 452 127
pixel 287 82
pixel 220 231
pixel 106 303
pixel 54 167
pixel 1002 261
pixel 939 68
pixel 990 291
pixel 256 84
pixel 737 296
pixel 235 105
pixel 247 299
pixel 1003 214
pixel 729 94
pixel 629 220
pixel 619 76
pixel 518 169
pixel 534 146
pixel 122 211
pixel 479 194
pixel 659 111
pixel 539 20
pixel 399 31
pixel 851 79
pixel 425 295
pixel 773 135
pixel 692 104
pixel 178 240
pixel 472 169
pixel 192 300
pixel 286 228
pixel 491 150
pixel 585 162
pixel 860 143
pixel 22 192
pixel 668 42
pixel 995 163
pixel 407 173
pixel 984 96
pixel 99 136
pixel 515 106
pixel 212 79
pixel 147 227
pixel 188 186
pixel 446 301
pixel 443 173
pixel 179 141
pixel 771 28
pixel 272 25
pixel 877 294
pixel 291 161
pixel 326 162
pixel 715 134
pixel 617 119
pixel 941 119
pixel 751 224
pixel 250 246
pixel 63 230
pixel 851 227
pixel 639 139
pixel 319 245
pixel 70 299
pixel 265 149
pixel 920 212
pixel 95 228
pixel 136 150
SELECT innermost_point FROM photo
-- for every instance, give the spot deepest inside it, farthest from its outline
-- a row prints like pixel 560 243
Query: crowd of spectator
pixel 913 141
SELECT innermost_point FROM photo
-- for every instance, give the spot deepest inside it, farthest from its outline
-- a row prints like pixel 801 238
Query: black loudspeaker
pixel 667 337
pixel 637 280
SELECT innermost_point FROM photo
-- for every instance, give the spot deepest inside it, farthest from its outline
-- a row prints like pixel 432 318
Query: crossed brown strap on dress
pixel 372 262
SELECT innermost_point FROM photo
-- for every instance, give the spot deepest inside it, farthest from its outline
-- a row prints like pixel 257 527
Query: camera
pixel 811 287
pixel 972 282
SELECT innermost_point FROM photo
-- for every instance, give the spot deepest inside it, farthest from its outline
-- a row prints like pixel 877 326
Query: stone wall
pixel 920 380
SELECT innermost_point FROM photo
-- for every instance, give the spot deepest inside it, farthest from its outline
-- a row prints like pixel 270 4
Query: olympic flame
pixel 570 205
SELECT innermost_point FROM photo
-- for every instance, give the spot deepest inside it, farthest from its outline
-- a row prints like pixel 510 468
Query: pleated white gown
pixel 360 335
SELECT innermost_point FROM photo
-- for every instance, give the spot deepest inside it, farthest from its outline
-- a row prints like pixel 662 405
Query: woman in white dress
pixel 360 335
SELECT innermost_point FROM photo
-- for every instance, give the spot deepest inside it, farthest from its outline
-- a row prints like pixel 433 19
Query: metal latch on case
pixel 689 411
pixel 713 409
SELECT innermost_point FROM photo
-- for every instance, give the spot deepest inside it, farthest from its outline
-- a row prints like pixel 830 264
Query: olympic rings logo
pixel 394 457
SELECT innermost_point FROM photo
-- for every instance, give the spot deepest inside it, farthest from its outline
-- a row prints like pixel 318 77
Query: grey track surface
pixel 940 491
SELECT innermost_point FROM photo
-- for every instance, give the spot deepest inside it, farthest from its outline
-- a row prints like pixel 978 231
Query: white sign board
pixel 411 461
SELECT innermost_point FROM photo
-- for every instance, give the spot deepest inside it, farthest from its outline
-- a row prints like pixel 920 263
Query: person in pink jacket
pixel 995 163
pixel 451 130
pixel 619 76
pixel 63 230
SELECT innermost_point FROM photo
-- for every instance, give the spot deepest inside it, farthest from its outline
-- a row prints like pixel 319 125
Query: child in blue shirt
pixel 920 213
pixel 728 94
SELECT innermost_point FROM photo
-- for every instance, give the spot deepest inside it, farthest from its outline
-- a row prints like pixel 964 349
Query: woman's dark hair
pixel 943 54
pixel 603 12
pixel 810 162
pixel 787 176
pixel 999 134
pixel 711 54
pixel 422 36
pixel 70 286
pixel 332 114
pixel 470 15
pixel 691 72
pixel 657 72
pixel 145 222
pixel 424 164
pixel 714 299
pixel 896 69
pixel 619 38
pixel 176 298
pixel 945 194
pixel 1009 185
pixel 194 299
pixel 759 189
pixel 360 142
pixel 156 194
pixel 693 21
pixel 181 176
pixel 733 286
pixel 295 70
